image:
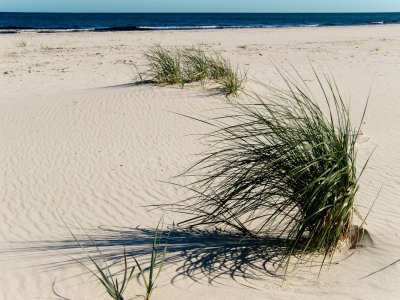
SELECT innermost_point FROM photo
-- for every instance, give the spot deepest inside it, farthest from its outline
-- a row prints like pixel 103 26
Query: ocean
pixel 53 22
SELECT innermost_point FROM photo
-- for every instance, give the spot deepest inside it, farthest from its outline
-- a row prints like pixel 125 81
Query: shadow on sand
pixel 210 92
pixel 198 254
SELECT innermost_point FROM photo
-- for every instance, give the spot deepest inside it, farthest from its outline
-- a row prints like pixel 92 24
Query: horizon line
pixel 188 12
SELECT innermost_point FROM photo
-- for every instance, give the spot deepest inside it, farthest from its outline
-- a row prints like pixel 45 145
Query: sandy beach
pixel 78 137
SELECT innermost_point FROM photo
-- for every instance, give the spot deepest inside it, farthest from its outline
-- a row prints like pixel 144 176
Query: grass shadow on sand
pixel 203 256
pixel 204 93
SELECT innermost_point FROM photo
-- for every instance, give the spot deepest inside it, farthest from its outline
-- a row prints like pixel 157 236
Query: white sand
pixel 99 154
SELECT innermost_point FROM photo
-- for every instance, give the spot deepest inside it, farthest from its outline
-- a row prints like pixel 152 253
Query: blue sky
pixel 200 5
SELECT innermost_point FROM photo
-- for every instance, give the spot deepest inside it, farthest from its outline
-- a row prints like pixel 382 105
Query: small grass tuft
pixel 231 82
pixel 21 44
pixel 12 55
pixel 46 48
pixel 114 287
pixel 152 276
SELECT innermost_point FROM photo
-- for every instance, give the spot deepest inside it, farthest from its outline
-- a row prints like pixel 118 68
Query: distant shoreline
pixel 13 30
pixel 76 22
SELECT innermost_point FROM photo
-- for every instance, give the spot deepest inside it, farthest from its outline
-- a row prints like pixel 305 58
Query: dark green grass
pixel 281 167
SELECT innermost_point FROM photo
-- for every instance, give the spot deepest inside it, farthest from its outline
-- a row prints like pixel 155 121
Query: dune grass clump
pixel 165 66
pixel 229 78
pixel 281 167
pixel 196 64
pixel 21 44
pixel 231 82
pixel 182 66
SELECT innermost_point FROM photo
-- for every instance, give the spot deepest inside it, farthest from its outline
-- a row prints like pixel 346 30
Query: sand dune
pixel 77 137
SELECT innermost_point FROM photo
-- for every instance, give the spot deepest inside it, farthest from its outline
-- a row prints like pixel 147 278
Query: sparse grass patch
pixel 46 48
pixel 280 168
pixel 186 65
pixel 12 54
pixel 155 256
pixel 114 288
pixel 21 44
pixel 109 281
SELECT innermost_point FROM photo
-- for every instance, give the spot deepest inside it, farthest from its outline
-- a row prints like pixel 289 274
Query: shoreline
pixel 14 30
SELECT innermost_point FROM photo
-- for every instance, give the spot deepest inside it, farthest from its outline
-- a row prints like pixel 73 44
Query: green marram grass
pixel 180 66
pixel 196 64
pixel 232 81
pixel 229 78
pixel 164 66
pixel 114 288
pixel 279 166
pixel 155 256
